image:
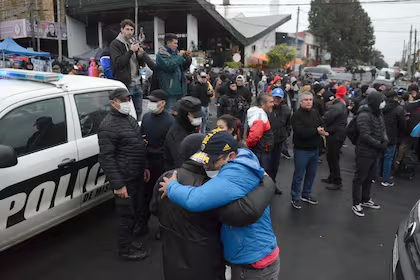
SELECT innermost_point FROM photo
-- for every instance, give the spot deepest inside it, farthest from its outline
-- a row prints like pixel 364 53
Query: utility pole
pixel 136 19
pixel 38 18
pixel 60 42
pixel 296 38
pixel 32 21
pixel 413 71
pixel 409 51
pixel 403 56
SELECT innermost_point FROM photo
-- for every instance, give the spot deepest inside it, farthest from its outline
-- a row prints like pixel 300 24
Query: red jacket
pixel 258 124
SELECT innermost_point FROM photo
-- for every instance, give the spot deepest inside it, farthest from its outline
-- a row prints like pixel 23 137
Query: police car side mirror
pixel 8 157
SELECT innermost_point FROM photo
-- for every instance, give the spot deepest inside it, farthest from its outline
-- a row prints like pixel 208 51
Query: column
pixel 192 31
pixel 100 35
pixel 158 32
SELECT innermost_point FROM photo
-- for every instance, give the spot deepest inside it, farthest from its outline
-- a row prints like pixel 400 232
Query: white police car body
pixel 49 169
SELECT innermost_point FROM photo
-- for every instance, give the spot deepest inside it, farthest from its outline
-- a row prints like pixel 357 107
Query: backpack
pixel 352 132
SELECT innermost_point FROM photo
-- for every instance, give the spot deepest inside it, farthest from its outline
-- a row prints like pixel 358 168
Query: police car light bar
pixel 36 76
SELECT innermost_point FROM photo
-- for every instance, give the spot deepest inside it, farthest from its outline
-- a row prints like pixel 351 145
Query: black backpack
pixel 352 131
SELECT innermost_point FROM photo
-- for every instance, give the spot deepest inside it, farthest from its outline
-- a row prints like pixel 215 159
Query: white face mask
pixel 212 174
pixel 125 108
pixel 196 121
pixel 382 105
pixel 153 107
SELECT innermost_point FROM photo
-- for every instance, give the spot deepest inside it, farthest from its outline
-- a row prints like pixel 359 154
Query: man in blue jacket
pixel 251 250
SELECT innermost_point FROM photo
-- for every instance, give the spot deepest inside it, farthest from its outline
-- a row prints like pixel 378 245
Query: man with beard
pixel 191 243
pixel 187 121
pixel 280 124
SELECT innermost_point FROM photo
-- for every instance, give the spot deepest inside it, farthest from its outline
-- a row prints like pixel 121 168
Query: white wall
pixel 76 37
pixel 192 31
pixel 159 28
pixel 262 46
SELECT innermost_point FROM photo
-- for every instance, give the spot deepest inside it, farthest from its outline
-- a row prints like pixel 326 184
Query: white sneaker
pixel 358 210
pixel 371 204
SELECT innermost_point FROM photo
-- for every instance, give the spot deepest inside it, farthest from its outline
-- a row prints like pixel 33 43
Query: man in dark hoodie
pixel 187 121
pixel 126 58
pixel 335 122
pixel 395 124
pixel 357 99
pixel 319 103
pixel 242 89
pixel 232 103
pixel 191 244
pixel 372 142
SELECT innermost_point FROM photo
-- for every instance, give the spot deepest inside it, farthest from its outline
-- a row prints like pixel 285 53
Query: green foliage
pixel 344 28
pixel 397 64
pixel 281 55
pixel 233 64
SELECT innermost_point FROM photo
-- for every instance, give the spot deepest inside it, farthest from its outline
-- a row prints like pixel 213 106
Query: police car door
pixel 89 109
pixel 41 190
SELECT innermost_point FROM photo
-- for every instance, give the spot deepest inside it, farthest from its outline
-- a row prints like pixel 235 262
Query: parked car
pixel 49 165
pixel 405 264
pixel 318 72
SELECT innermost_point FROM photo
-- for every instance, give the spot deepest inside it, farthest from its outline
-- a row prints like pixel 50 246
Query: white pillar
pixel 192 31
pixel 159 30
pixel 100 35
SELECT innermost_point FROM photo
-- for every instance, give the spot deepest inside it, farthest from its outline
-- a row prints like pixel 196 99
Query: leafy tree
pixel 344 29
pixel 377 58
pixel 281 55
pixel 397 64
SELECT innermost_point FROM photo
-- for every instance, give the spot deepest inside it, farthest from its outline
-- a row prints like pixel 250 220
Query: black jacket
pixel 192 247
pixel 335 119
pixel 120 61
pixel 122 152
pixel 155 127
pixel 413 110
pixel 319 104
pixel 395 123
pixel 356 103
pixel 305 125
pixel 180 129
pixel 245 93
pixel 280 122
pixel 199 90
pixel 371 126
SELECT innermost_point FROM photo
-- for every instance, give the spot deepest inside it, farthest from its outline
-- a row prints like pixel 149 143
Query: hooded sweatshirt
pixel 260 136
pixel 242 245
pixel 371 126
pixel 341 92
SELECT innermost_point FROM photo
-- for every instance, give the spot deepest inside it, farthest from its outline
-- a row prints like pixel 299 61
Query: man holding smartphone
pixel 126 58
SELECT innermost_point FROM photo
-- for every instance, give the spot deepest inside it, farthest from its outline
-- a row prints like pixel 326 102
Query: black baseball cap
pixel 191 105
pixel 216 143
pixel 119 93
pixel 157 95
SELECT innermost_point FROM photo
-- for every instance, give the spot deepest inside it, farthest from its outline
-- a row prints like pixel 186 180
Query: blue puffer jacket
pixel 242 245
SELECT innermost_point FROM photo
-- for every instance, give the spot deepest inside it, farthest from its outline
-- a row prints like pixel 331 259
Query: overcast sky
pixel 391 21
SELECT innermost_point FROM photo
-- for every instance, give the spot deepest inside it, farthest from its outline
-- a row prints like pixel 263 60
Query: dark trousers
pixel 157 168
pixel 129 210
pixel 334 145
pixel 266 162
pixel 366 171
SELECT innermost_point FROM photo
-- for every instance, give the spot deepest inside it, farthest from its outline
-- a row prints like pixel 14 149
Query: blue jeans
pixel 388 159
pixel 137 95
pixel 205 117
pixel 306 163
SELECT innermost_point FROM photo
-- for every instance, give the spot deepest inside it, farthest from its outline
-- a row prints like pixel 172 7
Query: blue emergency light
pixel 36 76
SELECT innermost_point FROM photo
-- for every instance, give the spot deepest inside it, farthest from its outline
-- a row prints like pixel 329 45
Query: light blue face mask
pixel 212 173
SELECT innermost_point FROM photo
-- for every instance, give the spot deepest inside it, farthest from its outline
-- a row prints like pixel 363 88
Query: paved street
pixel 325 242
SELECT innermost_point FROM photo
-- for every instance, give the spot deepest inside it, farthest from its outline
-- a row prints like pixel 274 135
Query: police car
pixel 49 169
pixel 405 263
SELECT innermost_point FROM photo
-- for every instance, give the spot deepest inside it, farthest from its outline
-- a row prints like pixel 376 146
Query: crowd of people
pixel 211 188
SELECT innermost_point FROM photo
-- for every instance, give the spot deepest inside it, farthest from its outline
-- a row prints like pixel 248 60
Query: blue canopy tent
pixel 9 46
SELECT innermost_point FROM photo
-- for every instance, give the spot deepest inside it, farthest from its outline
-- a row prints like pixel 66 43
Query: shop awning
pixel 9 46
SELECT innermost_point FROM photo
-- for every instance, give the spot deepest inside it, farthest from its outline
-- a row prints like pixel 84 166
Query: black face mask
pixel 334 90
